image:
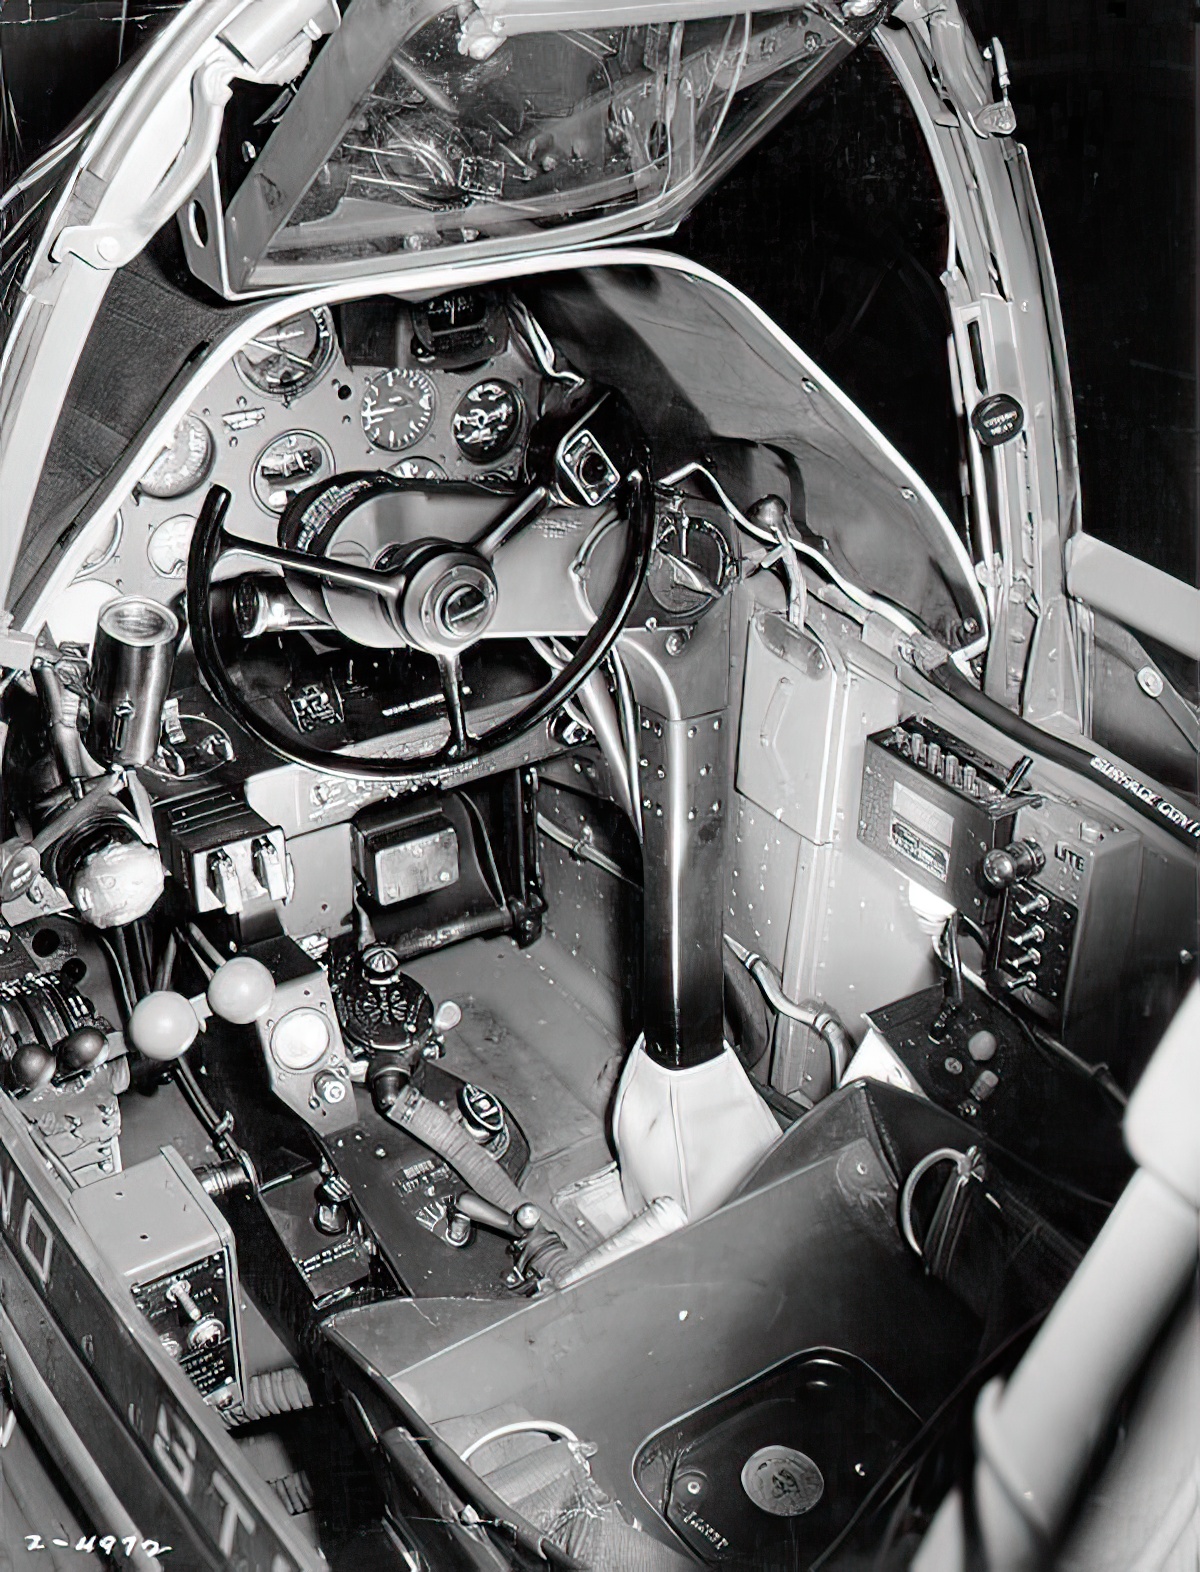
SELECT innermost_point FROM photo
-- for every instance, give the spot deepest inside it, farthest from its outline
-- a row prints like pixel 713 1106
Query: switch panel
pixel 1063 935
pixel 225 853
pixel 976 1061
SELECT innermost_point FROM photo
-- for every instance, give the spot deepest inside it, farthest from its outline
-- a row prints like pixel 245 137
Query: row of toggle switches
pixel 944 766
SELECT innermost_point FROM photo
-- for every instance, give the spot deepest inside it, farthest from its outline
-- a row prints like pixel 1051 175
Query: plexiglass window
pixel 546 129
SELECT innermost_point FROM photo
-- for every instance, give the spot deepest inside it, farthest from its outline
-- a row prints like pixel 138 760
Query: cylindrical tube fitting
pixel 132 662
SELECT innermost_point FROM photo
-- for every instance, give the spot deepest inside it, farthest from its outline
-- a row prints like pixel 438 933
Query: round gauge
pixel 300 1039
pixel 287 465
pixel 104 546
pixel 397 408
pixel 184 463
pixel 417 468
pixel 167 548
pixel 285 360
pixel 487 420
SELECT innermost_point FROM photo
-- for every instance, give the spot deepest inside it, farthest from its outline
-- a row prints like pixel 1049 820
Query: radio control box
pixel 934 807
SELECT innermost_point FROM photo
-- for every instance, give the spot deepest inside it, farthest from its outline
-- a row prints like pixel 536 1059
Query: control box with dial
pixel 159 1231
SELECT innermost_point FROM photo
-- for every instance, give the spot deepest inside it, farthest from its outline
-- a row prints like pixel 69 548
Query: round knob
pixel 982 1046
pixel 241 990
pixel 32 1067
pixel 85 1046
pixel 380 963
pixel 446 1017
pixel 116 882
pixel 206 1333
pixel 163 1026
pixel 1003 866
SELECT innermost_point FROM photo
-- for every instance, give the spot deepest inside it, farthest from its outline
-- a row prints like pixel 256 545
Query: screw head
pixel 1150 682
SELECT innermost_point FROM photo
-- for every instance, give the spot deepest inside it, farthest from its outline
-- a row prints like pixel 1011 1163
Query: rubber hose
pixel 430 1124
pixel 273 1392
pixel 1036 741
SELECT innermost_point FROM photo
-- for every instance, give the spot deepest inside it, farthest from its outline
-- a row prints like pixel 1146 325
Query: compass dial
pixel 487 420
pixel 397 408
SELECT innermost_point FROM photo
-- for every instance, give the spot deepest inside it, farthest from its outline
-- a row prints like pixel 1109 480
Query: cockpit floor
pixel 539 1032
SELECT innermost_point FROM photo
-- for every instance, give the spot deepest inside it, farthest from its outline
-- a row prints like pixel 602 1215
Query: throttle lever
pixel 513 1225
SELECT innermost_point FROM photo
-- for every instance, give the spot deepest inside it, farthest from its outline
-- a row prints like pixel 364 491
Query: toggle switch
pixel 223 881
pixel 1031 935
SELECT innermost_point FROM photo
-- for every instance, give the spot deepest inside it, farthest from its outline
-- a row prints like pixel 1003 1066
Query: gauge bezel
pixel 112 546
pixel 296 1064
pixel 412 374
pixel 197 479
pixel 293 431
pixel 514 434
pixel 326 349
pixel 156 529
pixel 430 470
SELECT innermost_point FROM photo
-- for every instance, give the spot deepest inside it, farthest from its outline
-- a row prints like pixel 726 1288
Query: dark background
pixel 833 225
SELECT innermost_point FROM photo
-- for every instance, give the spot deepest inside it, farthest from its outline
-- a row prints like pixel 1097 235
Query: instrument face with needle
pixel 286 360
pixel 397 408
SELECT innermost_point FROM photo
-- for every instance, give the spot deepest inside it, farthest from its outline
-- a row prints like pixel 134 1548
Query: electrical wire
pixel 196 953
pixel 861 597
pixel 166 963
pixel 118 951
pixel 492 870
pixel 206 945
pixel 584 851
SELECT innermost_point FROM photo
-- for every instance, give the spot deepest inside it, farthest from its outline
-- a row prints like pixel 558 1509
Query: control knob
pixel 1003 866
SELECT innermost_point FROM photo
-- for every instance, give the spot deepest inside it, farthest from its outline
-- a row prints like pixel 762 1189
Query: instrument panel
pixel 440 391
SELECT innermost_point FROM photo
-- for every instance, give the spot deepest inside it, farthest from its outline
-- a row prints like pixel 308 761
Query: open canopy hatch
pixel 506 127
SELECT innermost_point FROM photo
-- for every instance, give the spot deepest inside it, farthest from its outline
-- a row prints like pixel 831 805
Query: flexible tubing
pixel 1183 824
pixel 430 1124
pixel 273 1392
